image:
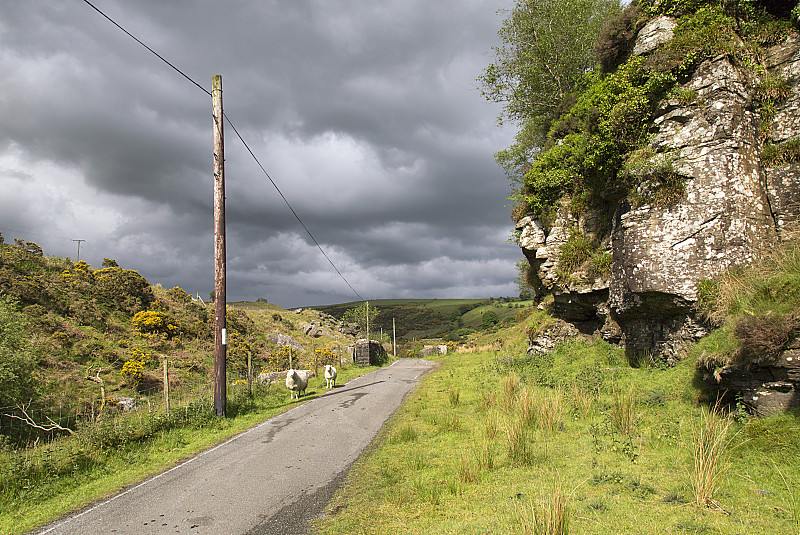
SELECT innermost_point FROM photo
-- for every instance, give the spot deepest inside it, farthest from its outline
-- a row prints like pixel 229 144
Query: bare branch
pixel 52 426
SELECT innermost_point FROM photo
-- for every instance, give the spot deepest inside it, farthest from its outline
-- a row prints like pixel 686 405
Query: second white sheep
pixel 330 376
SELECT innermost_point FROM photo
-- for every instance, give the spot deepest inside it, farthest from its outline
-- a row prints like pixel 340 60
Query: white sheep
pixel 330 376
pixel 296 382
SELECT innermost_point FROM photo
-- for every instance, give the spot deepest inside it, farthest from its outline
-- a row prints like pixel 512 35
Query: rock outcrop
pixel 766 387
pixel 732 206
pixel 284 340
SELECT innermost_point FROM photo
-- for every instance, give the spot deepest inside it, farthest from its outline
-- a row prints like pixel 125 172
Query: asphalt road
pixel 273 479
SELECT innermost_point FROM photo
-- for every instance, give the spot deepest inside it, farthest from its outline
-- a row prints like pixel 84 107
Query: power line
pixel 290 206
pixel 204 90
pixel 159 56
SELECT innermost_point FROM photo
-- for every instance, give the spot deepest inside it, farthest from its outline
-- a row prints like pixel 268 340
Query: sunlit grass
pixel 43 482
pixel 481 478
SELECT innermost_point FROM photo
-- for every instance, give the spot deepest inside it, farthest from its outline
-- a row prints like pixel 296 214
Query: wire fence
pixel 23 425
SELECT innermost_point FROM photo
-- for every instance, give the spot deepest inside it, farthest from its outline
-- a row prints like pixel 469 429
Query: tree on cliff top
pixel 548 45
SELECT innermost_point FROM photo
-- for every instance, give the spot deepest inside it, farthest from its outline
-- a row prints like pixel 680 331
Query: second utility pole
pixel 220 375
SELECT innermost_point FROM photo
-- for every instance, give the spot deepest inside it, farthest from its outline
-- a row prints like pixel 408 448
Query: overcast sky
pixel 365 113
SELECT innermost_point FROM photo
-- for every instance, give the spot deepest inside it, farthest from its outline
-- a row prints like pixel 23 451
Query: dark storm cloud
pixel 364 113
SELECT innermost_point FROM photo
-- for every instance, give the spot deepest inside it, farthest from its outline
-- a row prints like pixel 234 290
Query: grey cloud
pixel 365 114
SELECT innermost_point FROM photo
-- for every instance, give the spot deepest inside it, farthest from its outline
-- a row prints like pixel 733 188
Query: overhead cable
pixel 204 90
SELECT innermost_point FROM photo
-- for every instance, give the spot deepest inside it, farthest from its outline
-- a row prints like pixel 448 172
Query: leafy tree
pixel 358 315
pixel 547 51
pixel 489 319
pixel 548 45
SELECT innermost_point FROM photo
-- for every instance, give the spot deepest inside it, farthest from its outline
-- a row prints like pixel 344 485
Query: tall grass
pixel 492 425
pixel 550 518
pixel 624 415
pixel 711 456
pixel 467 471
pixel 454 395
pixel 790 489
pixel 582 400
pixel 550 409
pixel 518 442
pixel 511 386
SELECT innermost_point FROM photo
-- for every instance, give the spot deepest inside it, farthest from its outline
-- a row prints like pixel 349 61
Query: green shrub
pixel 576 250
pixel 18 383
pixel 123 289
pixel 489 319
pixel 178 295
pixel 782 153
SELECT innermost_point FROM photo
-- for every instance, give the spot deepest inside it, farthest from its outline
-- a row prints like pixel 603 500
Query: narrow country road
pixel 273 479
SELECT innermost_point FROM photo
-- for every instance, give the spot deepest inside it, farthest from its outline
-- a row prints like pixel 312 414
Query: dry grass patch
pixel 710 451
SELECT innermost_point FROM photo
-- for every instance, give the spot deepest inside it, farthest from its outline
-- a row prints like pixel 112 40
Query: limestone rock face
pixel 654 33
pixel 552 335
pixel 783 182
pixel 733 206
pixel 284 340
pixel 660 254
pixel 581 297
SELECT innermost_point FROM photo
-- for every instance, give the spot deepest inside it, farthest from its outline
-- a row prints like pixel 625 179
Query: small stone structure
pixel 369 352
pixel 433 351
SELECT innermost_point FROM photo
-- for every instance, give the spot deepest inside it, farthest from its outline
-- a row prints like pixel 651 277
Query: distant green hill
pixel 434 318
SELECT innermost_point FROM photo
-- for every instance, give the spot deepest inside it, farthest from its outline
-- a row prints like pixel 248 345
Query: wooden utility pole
pixel 220 375
pixel 394 340
pixel 367 321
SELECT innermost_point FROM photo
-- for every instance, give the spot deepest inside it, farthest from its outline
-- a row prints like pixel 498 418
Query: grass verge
pixel 618 459
pixel 41 483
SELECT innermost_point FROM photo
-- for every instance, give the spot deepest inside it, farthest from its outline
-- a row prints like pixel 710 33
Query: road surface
pixel 273 479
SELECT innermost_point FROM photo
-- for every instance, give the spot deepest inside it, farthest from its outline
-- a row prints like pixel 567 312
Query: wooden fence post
pixel 166 387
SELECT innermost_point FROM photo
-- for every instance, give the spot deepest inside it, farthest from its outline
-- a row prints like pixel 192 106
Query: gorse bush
pixel 149 322
pixel 279 360
pixel 324 356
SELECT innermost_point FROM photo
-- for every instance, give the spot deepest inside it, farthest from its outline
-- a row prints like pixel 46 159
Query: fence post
pixel 166 387
pixel 250 373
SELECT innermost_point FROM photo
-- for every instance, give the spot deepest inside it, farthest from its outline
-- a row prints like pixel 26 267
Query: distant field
pixel 432 318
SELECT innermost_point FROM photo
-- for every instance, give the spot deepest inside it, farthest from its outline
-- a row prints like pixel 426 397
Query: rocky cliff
pixel 733 202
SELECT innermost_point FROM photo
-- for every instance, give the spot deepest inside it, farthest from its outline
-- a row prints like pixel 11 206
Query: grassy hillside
pixel 70 332
pixel 492 441
pixel 63 318
pixel 451 319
